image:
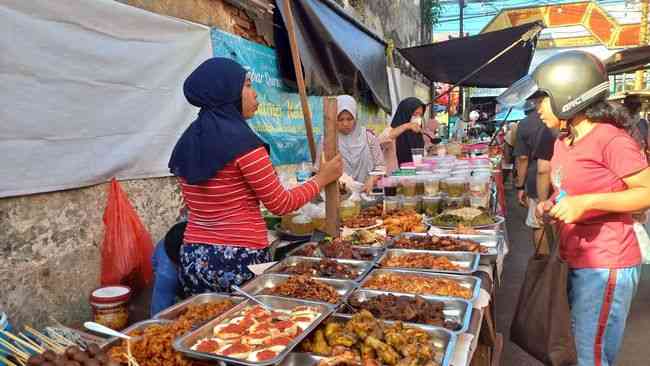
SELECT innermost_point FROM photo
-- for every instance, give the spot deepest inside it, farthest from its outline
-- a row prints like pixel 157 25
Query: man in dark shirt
pixel 531 135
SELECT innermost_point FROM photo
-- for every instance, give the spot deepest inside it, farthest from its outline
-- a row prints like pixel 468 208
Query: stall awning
pixel 339 55
pixel 628 60
pixel 451 61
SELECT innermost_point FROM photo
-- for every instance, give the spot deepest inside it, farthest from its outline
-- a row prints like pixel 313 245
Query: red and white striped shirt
pixel 226 209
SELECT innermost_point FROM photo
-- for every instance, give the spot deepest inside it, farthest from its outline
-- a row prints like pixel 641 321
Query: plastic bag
pixel 127 246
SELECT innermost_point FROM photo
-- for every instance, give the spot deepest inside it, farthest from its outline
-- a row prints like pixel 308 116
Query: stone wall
pixel 50 246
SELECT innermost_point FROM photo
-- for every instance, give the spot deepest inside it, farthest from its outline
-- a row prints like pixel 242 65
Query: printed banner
pixel 279 120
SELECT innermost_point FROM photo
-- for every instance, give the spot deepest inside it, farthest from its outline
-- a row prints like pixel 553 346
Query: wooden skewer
pixel 31 341
pixel 22 342
pixel 6 361
pixel 45 339
pixel 13 349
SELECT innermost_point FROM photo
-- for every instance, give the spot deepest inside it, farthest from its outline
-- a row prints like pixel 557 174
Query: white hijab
pixel 357 158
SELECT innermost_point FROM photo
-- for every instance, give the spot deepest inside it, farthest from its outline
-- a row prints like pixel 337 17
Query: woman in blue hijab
pixel 225 173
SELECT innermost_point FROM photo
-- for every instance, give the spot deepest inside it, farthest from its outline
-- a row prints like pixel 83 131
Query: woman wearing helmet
pixel 600 177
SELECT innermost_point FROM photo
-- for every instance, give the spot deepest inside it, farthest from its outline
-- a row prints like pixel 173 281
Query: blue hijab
pixel 220 133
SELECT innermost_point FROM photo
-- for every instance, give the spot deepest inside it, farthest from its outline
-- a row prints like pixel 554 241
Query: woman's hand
pixel 543 208
pixel 570 209
pixel 415 127
pixel 329 171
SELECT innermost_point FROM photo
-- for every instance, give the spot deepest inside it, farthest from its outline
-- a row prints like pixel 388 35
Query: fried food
pixel 420 260
pixel 359 222
pixel 366 341
pixel 306 288
pixel 432 242
pixel 403 221
pixel 404 308
pixel 324 268
pixel 337 248
pixel 465 230
pixel 153 346
pixel 468 216
pixel 417 284
pixel 363 237
pixel 255 334
pixel 372 212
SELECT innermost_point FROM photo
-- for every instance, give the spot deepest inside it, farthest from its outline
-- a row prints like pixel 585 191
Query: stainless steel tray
pixel 374 252
pixel 173 312
pixel 467 261
pixel 455 310
pixel 491 243
pixel 444 341
pixel 498 221
pixel 301 359
pixel 112 342
pixel 184 344
pixel 359 268
pixel 269 280
pixel 470 282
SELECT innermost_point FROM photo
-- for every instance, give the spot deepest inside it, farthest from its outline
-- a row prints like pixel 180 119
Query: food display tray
pixel 301 359
pixel 376 252
pixel 498 220
pixel 184 344
pixel 456 310
pixel 443 340
pixel 269 280
pixel 114 341
pixel 359 268
pixel 173 312
pixel 466 281
pixel 494 242
pixel 468 262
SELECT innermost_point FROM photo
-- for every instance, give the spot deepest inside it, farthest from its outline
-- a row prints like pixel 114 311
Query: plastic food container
pixel 455 186
pixel 419 185
pixel 302 225
pixel 479 201
pixel 479 185
pixel 391 203
pixel 408 186
pixel 110 306
pixel 432 185
pixel 431 205
pixel 286 221
pixel 454 202
pixel 410 203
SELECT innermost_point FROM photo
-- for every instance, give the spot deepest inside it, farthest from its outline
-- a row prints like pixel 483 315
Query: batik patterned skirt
pixel 215 268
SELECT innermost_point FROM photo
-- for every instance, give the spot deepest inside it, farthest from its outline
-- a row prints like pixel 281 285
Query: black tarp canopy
pixel 339 55
pixel 451 61
pixel 628 60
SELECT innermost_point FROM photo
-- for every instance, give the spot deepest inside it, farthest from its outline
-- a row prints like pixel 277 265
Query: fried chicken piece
pixel 363 324
pixel 385 352
pixel 319 344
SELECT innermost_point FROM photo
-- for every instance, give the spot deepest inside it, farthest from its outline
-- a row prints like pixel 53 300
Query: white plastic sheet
pixel 90 89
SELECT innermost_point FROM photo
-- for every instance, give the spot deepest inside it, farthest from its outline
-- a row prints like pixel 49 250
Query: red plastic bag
pixel 127 245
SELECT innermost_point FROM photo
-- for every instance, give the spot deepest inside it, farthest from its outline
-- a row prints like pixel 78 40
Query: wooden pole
pixel 330 150
pixel 300 79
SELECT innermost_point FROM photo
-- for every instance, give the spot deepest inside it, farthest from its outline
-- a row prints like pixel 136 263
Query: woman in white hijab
pixel 358 146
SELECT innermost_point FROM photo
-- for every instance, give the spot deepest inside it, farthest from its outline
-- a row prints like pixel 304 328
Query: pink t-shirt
pixel 597 163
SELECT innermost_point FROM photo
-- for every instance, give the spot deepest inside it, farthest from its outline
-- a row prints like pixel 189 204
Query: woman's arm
pixel 390 134
pixel 258 171
pixel 635 198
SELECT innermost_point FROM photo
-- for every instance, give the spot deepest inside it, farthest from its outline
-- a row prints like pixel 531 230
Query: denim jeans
pixel 165 285
pixel 600 301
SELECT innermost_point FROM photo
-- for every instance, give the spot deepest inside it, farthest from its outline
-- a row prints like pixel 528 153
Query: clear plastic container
pixel 349 208
pixel 454 202
pixel 410 203
pixel 286 221
pixel 431 205
pixel 455 186
pixel 419 185
pixel 302 225
pixel 479 185
pixel 482 201
pixel 408 186
pixel 432 185
pixel 391 203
